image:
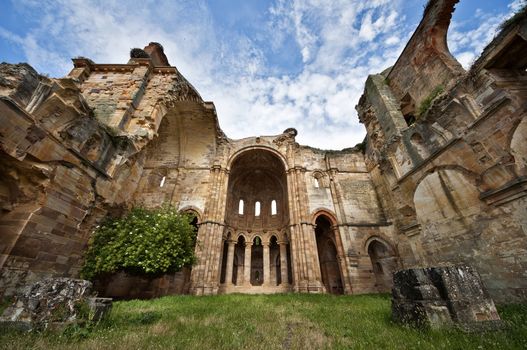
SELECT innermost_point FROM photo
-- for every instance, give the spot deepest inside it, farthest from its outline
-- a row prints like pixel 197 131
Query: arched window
pixel 162 181
pixel 257 209
pixel 273 207
pixel 240 207
pixel 317 185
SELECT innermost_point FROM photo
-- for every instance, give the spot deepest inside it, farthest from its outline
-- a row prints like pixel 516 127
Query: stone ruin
pixel 441 178
pixel 55 303
pixel 443 296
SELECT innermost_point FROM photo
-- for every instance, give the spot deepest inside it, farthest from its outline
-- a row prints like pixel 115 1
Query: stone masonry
pixel 433 183
pixel 442 296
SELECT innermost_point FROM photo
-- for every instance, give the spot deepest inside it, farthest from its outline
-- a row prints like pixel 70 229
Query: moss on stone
pixel 427 102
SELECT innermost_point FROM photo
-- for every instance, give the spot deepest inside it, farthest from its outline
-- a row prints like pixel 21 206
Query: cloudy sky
pixel 266 65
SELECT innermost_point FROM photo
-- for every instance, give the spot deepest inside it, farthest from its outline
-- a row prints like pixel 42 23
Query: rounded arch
pixel 254 237
pixel 330 215
pixel 227 235
pixel 383 261
pixel 377 238
pixel 190 209
pixel 243 235
pixel 446 194
pixel 241 151
pixel 472 176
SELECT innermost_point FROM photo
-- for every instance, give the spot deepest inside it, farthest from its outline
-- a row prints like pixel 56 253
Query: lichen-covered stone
pixel 55 301
pixel 441 296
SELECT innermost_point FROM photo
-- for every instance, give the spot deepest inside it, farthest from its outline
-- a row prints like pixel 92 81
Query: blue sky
pixel 266 65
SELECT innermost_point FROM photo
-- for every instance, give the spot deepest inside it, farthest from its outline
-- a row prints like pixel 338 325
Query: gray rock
pixel 442 296
pixel 53 302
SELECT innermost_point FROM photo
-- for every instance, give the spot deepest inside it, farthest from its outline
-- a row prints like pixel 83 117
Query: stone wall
pixel 447 188
pixel 453 182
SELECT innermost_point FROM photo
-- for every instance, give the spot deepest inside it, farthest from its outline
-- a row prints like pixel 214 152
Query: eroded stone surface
pixel 55 301
pixel 442 296
pixel 443 183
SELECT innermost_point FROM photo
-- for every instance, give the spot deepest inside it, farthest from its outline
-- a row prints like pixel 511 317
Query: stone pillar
pixel 205 275
pixel 266 264
pixel 247 264
pixel 283 262
pixel 230 261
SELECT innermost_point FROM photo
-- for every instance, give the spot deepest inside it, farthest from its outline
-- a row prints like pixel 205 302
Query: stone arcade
pixel 275 216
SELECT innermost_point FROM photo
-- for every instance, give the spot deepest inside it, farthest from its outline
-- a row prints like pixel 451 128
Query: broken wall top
pixel 426 62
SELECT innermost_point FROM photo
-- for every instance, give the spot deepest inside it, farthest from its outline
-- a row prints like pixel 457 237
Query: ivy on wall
pixel 142 242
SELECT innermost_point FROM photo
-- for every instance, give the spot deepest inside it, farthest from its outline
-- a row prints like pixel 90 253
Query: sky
pixel 266 65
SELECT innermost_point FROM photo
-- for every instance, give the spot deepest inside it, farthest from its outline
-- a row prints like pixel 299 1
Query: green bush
pixel 144 242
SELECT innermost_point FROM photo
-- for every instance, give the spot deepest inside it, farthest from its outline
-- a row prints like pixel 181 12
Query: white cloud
pixel 339 43
pixel 517 5
pixel 467 45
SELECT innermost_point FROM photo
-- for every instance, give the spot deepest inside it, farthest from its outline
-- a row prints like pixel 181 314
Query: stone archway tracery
pixel 258 178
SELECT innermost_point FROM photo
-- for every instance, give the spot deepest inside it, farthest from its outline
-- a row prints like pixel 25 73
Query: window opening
pixel 273 207
pixel 162 181
pixel 317 184
pixel 240 207
pixel 257 209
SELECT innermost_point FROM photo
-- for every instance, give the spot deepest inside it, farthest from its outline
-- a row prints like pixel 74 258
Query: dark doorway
pixel 327 256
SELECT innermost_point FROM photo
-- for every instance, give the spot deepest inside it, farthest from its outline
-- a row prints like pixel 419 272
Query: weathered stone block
pixel 54 303
pixel 439 296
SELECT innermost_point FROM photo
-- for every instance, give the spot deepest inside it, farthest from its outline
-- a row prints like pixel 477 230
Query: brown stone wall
pixel 453 182
pixel 449 188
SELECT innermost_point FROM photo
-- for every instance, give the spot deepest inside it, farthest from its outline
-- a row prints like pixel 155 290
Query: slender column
pixel 247 264
pixel 266 264
pixel 230 261
pixel 283 262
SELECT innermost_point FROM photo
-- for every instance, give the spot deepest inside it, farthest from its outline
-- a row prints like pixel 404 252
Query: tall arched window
pixel 162 181
pixel 257 209
pixel 240 207
pixel 273 207
pixel 317 185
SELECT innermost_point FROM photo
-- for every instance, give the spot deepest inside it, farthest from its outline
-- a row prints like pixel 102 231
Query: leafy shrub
pixel 144 242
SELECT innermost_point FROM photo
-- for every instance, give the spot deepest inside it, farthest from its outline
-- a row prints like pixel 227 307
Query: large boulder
pixel 55 302
pixel 440 296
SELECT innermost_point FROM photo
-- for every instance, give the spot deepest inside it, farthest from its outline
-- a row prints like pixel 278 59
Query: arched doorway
pixel 257 271
pixel 239 258
pixel 274 254
pixel 327 256
pixel 383 264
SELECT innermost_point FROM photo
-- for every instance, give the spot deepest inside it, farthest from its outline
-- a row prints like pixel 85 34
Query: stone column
pixel 283 262
pixel 230 261
pixel 247 264
pixel 266 264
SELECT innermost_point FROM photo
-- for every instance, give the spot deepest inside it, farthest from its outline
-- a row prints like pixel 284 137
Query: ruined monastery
pixel 441 177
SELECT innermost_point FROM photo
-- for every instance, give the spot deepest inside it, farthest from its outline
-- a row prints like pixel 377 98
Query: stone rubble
pixel 55 302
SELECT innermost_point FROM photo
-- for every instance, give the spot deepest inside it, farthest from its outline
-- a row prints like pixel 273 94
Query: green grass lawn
pixel 287 321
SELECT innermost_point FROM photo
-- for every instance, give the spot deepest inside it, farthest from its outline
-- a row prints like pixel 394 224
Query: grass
pixel 287 321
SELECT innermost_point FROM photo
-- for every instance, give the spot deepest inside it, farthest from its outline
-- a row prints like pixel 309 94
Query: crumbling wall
pixel 63 172
pixel 73 151
pixel 453 181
